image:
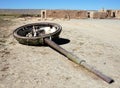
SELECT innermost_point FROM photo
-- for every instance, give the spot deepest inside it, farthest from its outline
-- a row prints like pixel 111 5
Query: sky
pixel 60 4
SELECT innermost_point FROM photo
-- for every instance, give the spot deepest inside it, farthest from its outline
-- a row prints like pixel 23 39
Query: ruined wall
pixel 82 14
pixel 110 13
pixel 90 13
pixel 99 15
pixel 65 14
pixel 118 14
pixel 76 14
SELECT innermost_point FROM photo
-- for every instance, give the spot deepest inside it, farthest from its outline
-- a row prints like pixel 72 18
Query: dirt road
pixel 96 41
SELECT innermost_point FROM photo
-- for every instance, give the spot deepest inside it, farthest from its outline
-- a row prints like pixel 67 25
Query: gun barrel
pixel 98 73
pixel 77 60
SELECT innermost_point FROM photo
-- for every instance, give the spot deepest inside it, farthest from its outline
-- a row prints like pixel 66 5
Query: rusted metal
pixel 98 73
pixel 77 60
pixel 21 32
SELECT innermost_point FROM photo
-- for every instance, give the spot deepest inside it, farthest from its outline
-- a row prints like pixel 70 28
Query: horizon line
pixel 50 9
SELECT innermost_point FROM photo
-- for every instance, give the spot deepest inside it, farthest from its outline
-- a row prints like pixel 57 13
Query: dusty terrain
pixel 96 41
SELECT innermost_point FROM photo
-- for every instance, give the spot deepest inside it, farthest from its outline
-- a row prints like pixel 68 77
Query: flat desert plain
pixel 95 40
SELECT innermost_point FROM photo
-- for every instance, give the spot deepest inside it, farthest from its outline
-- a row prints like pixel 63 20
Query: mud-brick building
pixel 65 14
pixel 70 14
pixel 110 13
pixel 113 13
pixel 96 14
pixel 117 14
pixel 99 15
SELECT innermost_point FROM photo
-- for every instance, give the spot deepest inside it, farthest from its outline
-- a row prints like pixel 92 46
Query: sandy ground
pixel 96 41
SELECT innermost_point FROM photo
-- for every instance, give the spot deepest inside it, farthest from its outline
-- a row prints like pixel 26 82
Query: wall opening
pixel 88 14
pixel 113 14
pixel 43 14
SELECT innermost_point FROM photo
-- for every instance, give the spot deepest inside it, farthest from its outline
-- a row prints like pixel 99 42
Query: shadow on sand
pixel 61 41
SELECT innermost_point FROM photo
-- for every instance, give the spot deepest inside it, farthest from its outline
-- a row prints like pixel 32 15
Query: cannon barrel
pixel 77 60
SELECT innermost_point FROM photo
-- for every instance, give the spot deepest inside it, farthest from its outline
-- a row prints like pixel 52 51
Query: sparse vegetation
pixel 5 22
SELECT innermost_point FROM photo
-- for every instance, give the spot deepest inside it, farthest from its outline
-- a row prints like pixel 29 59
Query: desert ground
pixel 95 40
